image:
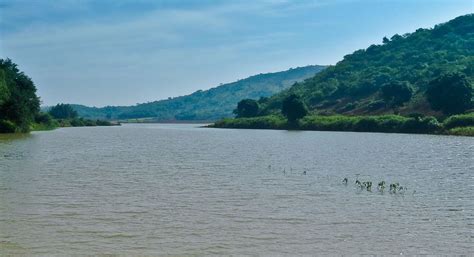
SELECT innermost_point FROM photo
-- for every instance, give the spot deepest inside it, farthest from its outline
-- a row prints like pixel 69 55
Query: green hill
pixel 353 86
pixel 209 104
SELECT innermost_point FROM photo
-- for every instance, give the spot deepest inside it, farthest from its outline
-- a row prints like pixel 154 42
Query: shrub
pixel 376 105
pixel 77 122
pixel 247 108
pixel 450 93
pixel 462 120
pixel 7 126
pixel 349 107
pixel 462 131
pixel 44 118
pixel 63 111
pixel 328 123
pixel 421 125
pixel 264 122
pixel 294 108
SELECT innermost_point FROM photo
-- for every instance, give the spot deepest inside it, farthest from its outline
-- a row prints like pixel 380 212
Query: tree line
pixel 20 106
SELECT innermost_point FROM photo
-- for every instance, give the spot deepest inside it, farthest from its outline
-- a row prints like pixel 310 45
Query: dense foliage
pixel 354 85
pixel 19 104
pixel 209 104
pixel 247 108
pixel 63 111
pixel 293 108
pixel 456 125
pixel 396 93
pixel 450 93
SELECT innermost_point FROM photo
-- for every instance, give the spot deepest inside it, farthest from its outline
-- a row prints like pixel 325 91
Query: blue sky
pixel 122 52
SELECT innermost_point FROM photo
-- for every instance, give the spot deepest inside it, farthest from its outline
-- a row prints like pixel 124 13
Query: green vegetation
pixel 406 85
pixel 462 120
pixel 63 111
pixel 81 122
pixel 264 122
pixel 394 77
pixel 396 93
pixel 455 125
pixel 44 121
pixel 212 104
pixel 394 188
pixel 247 108
pixel 293 108
pixel 450 93
pixel 19 104
pixel 66 116
pixel 462 131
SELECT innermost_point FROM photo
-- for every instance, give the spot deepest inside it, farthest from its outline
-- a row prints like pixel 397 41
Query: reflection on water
pixel 179 189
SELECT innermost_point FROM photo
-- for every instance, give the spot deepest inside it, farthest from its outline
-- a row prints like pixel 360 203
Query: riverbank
pixel 460 125
pixel 9 127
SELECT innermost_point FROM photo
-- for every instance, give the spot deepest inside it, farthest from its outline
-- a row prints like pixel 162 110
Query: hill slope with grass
pixel 355 85
pixel 209 104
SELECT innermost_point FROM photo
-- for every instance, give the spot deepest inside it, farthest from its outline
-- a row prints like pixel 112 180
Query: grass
pixel 462 131
pixel 43 126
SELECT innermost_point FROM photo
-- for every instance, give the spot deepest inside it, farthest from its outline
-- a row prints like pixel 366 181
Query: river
pixel 178 189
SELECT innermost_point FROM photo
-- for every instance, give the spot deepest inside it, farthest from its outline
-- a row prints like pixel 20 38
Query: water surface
pixel 161 189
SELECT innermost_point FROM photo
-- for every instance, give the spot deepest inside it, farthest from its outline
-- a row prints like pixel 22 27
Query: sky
pixel 123 52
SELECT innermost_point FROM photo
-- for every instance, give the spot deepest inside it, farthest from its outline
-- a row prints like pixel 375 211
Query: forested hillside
pixel 209 104
pixel 393 76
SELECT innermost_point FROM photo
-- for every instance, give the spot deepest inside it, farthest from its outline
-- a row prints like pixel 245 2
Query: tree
pixel 4 92
pixel 293 108
pixel 450 93
pixel 19 103
pixel 396 93
pixel 63 111
pixel 247 108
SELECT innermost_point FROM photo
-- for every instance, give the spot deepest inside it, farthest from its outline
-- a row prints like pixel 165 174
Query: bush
pixel 450 93
pixel 103 123
pixel 45 119
pixel 422 125
pixel 328 123
pixel 462 131
pixel 77 123
pixel 63 111
pixel 462 120
pixel 264 122
pixel 7 126
pixel 376 105
pixel 294 108
pixel 383 123
pixel 349 107
pixel 386 123
pixel 247 108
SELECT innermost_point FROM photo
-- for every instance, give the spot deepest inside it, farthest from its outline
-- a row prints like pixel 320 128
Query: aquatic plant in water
pixel 381 186
pixel 367 185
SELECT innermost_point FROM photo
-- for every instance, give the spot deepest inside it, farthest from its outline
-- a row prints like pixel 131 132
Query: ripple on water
pixel 178 190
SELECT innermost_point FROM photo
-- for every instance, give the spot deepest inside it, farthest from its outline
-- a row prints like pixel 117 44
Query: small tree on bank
pixel 396 93
pixel 293 108
pixel 63 111
pixel 247 108
pixel 450 93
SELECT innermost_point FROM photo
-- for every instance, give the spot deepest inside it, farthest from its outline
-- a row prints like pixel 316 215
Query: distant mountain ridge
pixel 353 86
pixel 212 104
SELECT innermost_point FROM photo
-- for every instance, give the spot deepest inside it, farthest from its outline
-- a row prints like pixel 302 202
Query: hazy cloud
pixel 123 52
